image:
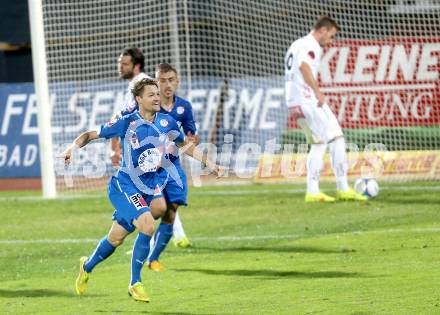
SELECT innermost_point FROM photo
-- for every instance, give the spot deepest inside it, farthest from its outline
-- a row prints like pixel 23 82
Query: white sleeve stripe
pixel 98 130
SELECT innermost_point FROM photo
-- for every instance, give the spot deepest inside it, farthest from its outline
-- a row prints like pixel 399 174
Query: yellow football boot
pixel 137 292
pixel 155 265
pixel 83 277
pixel 350 195
pixel 184 242
pixel 319 197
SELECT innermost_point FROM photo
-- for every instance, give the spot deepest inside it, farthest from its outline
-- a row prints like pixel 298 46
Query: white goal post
pixel 42 93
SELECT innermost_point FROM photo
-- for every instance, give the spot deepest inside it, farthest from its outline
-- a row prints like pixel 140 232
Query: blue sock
pixel 141 249
pixel 102 251
pixel 161 239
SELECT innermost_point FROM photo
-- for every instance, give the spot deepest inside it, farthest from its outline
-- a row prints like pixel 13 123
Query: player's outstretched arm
pixel 194 138
pixel 190 149
pixel 82 140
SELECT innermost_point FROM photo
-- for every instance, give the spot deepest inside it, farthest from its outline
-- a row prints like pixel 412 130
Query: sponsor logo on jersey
pixel 134 141
pixel 163 122
pixel 307 92
pixel 138 201
pixel 180 110
pixel 149 160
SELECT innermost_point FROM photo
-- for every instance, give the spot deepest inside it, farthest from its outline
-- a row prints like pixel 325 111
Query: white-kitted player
pixel 306 104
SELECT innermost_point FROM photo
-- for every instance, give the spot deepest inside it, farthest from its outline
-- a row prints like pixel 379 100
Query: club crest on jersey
pixel 134 142
pixel 138 201
pixel 163 122
pixel 180 110
pixel 311 54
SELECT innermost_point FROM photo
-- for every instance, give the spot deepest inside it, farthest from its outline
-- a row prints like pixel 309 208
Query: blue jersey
pixel 183 114
pixel 144 146
pixel 173 178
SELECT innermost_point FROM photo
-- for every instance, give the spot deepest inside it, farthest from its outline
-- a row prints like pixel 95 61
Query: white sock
pixel 339 163
pixel 315 161
pixel 178 231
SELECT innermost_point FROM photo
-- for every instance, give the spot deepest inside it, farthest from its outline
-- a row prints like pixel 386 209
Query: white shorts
pixel 319 124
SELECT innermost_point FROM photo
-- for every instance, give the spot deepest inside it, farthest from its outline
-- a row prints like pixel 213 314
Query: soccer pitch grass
pixel 257 250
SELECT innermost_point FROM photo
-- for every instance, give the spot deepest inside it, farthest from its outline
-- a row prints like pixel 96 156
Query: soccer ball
pixel 367 187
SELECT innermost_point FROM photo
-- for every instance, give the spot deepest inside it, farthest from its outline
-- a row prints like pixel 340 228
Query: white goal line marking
pixel 300 190
pixel 219 192
pixel 232 238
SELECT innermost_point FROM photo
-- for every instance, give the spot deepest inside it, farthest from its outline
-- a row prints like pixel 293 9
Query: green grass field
pixel 257 250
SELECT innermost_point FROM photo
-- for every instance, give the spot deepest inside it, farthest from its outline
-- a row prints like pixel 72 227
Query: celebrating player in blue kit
pixel 131 64
pixel 175 193
pixel 145 135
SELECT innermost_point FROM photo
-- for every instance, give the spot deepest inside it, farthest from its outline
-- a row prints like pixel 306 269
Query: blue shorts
pixel 158 193
pixel 173 191
pixel 128 202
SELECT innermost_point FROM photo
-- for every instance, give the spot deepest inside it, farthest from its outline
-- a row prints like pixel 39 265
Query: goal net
pixel 380 77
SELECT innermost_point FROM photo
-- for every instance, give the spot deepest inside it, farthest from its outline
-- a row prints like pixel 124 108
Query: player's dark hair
pixel 327 22
pixel 138 87
pixel 137 57
pixel 165 67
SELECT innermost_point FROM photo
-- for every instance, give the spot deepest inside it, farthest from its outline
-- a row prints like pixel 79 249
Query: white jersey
pixel 129 101
pixel 308 50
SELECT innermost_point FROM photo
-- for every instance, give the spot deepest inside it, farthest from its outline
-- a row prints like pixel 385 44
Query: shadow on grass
pixel 107 311
pixel 283 249
pixel 34 293
pixel 273 274
pixel 182 313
